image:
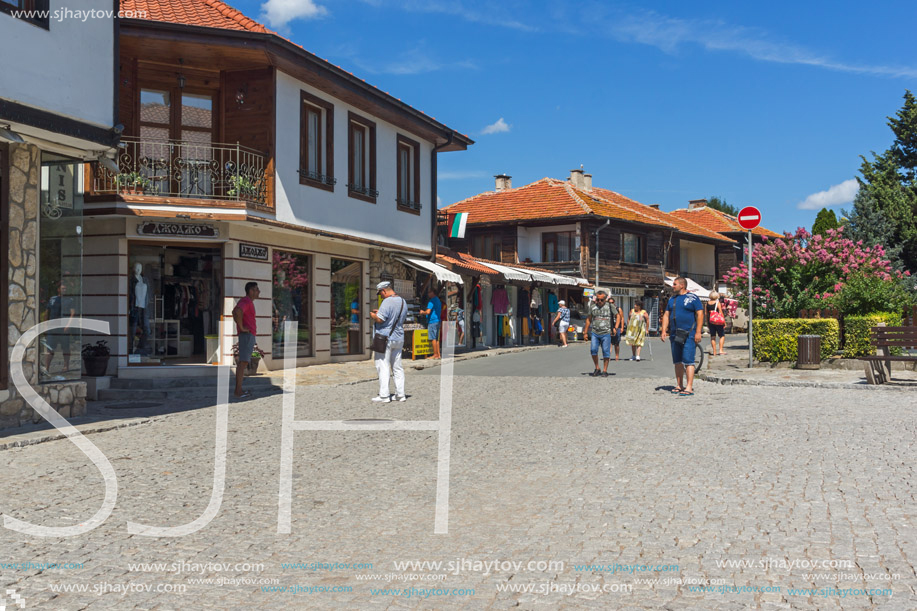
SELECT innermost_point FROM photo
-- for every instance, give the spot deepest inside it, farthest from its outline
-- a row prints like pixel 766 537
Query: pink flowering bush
pixel 801 271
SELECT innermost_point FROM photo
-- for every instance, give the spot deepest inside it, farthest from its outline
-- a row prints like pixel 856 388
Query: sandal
pixel 686 393
pixel 677 391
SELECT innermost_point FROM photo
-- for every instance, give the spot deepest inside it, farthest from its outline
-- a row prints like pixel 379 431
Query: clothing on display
pixel 552 302
pixel 522 304
pixel 499 300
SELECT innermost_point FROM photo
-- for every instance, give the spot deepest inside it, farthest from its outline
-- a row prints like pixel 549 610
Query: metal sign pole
pixel 750 299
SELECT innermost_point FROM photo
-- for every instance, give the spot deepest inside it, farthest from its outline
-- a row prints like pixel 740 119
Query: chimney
pixel 503 182
pixel 587 181
pixel 696 203
pixel 656 206
pixel 576 178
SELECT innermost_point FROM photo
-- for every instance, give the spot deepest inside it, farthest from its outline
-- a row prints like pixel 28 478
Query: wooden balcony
pixel 188 170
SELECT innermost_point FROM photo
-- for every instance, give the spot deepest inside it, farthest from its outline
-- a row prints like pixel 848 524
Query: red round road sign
pixel 749 217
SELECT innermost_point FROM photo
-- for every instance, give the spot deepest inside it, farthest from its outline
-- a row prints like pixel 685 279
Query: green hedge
pixel 856 331
pixel 775 339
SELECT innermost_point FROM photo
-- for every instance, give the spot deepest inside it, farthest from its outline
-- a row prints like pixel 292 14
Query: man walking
pixel 389 321
pixel 683 320
pixel 244 315
pixel 599 322
pixel 434 307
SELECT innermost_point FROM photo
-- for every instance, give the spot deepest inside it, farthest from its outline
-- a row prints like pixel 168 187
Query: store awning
pixel 511 273
pixel 562 280
pixel 538 276
pixel 442 274
pixel 693 287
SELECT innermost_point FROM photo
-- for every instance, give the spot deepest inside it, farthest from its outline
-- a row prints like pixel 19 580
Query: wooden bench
pixel 884 339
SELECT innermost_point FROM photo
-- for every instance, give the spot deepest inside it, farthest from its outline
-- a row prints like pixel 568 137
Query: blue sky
pixel 768 104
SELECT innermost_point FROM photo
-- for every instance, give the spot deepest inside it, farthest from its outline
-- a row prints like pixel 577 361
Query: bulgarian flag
pixel 457 224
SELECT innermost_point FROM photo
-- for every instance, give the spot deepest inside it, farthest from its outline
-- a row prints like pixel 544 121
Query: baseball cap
pixel 561 302
pixel 383 285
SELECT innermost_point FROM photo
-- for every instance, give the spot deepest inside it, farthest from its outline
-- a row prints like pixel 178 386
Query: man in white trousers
pixel 389 321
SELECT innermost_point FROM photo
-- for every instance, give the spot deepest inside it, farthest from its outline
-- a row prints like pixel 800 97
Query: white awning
pixel 511 273
pixel 560 279
pixel 693 287
pixel 442 274
pixel 539 276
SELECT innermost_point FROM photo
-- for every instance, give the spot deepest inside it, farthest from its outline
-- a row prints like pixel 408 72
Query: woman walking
pixel 716 322
pixel 638 322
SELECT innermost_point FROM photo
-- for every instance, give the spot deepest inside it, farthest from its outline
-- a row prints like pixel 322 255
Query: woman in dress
pixel 638 321
pixel 716 322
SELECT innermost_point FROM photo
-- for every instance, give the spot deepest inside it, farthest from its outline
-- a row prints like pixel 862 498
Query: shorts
pixel 616 338
pixel 246 346
pixel 684 353
pixel 717 330
pixel 433 331
pixel 603 339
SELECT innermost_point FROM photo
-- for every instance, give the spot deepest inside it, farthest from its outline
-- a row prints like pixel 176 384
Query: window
pixel 408 155
pixel 316 145
pixel 291 299
pixel 13 6
pixel 361 158
pixel 558 246
pixel 486 247
pixel 346 307
pixel 633 248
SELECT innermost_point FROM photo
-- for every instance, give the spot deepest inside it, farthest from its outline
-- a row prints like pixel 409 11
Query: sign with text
pixel 252 251
pixel 421 345
pixel 182 230
pixel 749 217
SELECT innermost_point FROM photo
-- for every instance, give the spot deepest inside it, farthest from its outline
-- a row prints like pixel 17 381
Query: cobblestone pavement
pixel 758 493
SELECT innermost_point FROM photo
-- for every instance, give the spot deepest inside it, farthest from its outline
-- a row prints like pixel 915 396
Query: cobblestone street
pixel 582 491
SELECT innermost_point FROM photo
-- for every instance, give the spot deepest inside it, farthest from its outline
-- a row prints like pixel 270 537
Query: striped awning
pixel 511 273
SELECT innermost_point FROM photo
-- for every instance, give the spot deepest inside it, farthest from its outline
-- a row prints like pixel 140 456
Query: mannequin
pixel 139 301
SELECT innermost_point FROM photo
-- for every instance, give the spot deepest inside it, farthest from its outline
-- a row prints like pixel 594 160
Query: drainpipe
pixel 607 222
pixel 434 210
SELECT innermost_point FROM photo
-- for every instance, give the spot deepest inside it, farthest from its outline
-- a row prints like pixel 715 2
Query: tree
pixel 891 179
pixel 868 224
pixel 825 220
pixel 720 204
pixel 802 271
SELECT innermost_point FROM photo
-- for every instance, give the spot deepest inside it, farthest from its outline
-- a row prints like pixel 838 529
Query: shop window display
pixel 60 266
pixel 346 307
pixel 291 301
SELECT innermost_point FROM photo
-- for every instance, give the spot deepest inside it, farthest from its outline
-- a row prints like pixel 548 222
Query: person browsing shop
pixel 389 323
pixel 433 311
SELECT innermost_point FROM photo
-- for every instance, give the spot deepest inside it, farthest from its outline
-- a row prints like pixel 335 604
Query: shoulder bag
pixel 380 342
pixel 681 335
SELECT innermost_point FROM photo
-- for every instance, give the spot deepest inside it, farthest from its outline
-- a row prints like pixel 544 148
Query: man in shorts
pixel 244 316
pixel 433 311
pixel 683 320
pixel 600 322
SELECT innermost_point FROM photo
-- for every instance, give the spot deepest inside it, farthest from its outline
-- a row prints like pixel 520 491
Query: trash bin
pixel 809 352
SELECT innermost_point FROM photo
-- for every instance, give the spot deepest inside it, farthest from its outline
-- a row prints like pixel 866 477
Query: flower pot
pixel 96 366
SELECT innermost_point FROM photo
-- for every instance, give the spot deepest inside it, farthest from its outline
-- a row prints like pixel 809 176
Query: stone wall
pixel 68 398
pixel 383 262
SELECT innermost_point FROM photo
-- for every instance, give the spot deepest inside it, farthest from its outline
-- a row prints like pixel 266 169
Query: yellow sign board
pixel 421 344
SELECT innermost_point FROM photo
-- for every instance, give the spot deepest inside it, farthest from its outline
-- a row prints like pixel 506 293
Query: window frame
pixel 641 247
pixel 4 264
pixel 555 239
pixel 326 108
pixel 28 5
pixel 403 142
pixel 369 159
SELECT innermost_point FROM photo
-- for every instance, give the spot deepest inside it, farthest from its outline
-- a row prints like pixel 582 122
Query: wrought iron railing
pixel 171 168
pixel 407 203
pixel 319 177
pixel 362 190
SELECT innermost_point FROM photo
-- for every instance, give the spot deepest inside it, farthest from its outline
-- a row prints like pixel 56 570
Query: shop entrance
pixel 174 297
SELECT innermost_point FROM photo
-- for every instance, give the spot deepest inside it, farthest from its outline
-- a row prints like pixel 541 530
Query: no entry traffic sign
pixel 749 217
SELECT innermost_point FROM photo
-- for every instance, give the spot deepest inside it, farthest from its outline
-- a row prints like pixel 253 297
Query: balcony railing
pixel 171 168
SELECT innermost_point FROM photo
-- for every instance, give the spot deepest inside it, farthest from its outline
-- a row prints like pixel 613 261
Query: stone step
pixel 177 394
pixel 187 383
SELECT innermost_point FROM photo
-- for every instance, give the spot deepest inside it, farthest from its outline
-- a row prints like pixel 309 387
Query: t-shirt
pixel 248 315
pixel 392 325
pixel 564 314
pixel 355 305
pixel 434 305
pixel 684 309
pixel 602 318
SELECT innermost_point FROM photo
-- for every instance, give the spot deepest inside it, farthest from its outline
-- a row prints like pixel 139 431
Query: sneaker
pixel 595 373
pixel 401 398
pixel 637 359
pixel 604 374
pixel 382 399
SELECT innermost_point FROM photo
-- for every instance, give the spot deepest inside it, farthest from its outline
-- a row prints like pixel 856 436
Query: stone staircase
pixel 181 389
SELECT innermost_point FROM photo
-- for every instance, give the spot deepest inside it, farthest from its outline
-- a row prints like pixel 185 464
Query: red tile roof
pixel 465 261
pixel 718 221
pixel 550 198
pixel 202 13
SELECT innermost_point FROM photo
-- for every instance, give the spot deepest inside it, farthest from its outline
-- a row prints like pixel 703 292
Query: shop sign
pixel 620 291
pixel 184 230
pixel 421 345
pixel 588 293
pixel 252 251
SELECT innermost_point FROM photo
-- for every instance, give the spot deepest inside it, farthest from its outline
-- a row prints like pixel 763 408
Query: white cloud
pixel 496 128
pixel 837 195
pixel 461 175
pixel 669 33
pixel 279 13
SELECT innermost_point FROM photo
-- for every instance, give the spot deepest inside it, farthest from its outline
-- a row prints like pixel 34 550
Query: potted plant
pixel 257 355
pixel 133 183
pixel 240 186
pixel 95 358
